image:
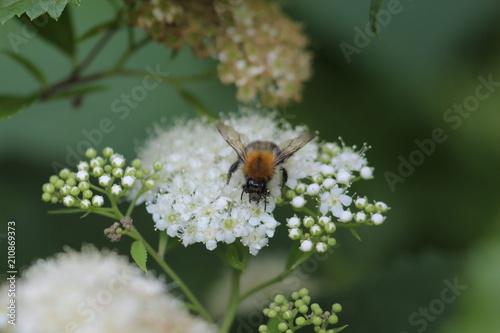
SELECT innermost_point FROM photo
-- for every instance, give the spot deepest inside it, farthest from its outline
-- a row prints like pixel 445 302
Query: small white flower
pixel 117 161
pixel 377 219
pixel 294 233
pixel 82 176
pixel 104 180
pixel 321 247
pixel 381 206
pixel 306 245
pixel 366 172
pixel 116 189
pixel 346 216
pixel 82 166
pixel 95 162
pixel 360 203
pixel 360 217
pixel 97 200
pixel 128 181
pixel 293 222
pixel 313 189
pixel 315 230
pixel 327 170
pixel 328 183
pixel 344 177
pixel 324 220
pixel 298 202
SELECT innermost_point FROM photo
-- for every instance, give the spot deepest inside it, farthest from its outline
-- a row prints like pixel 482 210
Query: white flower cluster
pixel 192 201
pixel 95 292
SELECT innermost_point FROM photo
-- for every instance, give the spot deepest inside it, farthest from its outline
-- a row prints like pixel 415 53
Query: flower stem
pixel 263 285
pixel 194 301
pixel 234 301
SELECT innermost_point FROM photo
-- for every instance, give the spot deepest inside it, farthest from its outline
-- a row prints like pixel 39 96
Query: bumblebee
pixel 259 160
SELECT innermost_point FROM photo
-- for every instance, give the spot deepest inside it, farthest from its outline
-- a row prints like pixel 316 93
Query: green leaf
pixel 296 257
pixel 355 234
pixel 96 30
pixel 28 65
pixel 33 8
pixel 195 103
pixel 233 258
pixel 139 254
pixel 272 325
pixel 11 104
pixel 58 33
pixel 374 9
pixel 338 329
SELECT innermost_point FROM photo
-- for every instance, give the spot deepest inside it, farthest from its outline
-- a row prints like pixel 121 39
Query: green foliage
pixel 28 65
pixel 11 104
pixel 139 254
pixel 33 8
pixel 374 9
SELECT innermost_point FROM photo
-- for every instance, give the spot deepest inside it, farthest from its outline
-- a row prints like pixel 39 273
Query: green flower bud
pixel 301 188
pixel 53 179
pixel 279 299
pixel 157 166
pixel 84 186
pixel 318 178
pixel 331 242
pixel 306 299
pixel 266 312
pixel 370 208
pixel 303 309
pixel 337 308
pixel 287 314
pixel 137 163
pixel 65 190
pixel 263 329
pixel 97 162
pixel 303 292
pixel 49 188
pixel 330 228
pixel 69 201
pixel 155 176
pixel 46 196
pixel 295 295
pixel 54 199
pixel 85 204
pixel 282 327
pixel 317 321
pixel 298 303
pixel 75 191
pixel 108 168
pixel 139 174
pixel 318 311
pixel 87 194
pixel 118 172
pixel 64 173
pixel 59 183
pixel 149 183
pixel 90 153
pixel 107 152
pixel 97 171
pixel 272 314
pixel 315 230
pixel 300 321
pixel 290 194
pixel 308 222
pixel 333 319
pixel 129 171
pixel 71 181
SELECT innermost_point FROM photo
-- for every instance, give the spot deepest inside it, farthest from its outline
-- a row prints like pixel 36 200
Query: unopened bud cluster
pixel 298 312
pixel 260 50
pixel 100 176
pixel 115 231
pixel 325 200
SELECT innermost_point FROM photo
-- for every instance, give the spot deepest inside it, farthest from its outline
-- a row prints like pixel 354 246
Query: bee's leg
pixel 284 177
pixel 231 170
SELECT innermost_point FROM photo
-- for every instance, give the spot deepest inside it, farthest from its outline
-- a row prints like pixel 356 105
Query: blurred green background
pixel 443 226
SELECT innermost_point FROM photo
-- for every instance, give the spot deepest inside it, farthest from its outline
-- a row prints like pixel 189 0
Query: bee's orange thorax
pixel 259 165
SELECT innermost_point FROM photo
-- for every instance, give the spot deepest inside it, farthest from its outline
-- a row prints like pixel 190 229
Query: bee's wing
pixel 236 140
pixel 289 147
